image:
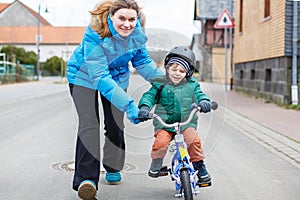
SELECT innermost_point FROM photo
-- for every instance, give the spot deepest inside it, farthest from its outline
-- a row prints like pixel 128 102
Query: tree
pixel 16 73
pixel 53 66
pixel 14 53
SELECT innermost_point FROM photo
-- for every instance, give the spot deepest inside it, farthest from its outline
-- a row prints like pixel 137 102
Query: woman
pixel 100 63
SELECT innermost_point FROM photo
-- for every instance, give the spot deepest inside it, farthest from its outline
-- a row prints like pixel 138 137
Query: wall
pixel 261 37
pixel 47 51
pixel 218 67
pixel 263 61
pixel 17 15
pixel 269 79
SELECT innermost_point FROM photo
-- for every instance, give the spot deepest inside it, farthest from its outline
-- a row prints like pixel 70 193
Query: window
pixel 267 8
pixel 252 76
pixel 268 75
pixel 241 74
pixel 213 37
pixel 241 16
pixel 268 80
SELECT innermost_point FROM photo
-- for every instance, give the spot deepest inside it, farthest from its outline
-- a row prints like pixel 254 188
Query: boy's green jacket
pixel 174 102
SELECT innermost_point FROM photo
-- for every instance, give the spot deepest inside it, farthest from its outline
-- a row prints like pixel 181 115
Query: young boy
pixel 173 94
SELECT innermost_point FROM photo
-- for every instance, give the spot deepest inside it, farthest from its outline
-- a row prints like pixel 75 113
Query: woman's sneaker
pixel 87 190
pixel 113 178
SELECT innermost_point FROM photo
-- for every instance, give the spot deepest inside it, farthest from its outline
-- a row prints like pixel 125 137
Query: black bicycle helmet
pixel 184 53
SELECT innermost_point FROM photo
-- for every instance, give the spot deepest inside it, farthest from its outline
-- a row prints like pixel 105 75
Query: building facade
pixel 264 53
pixel 210 44
pixel 22 32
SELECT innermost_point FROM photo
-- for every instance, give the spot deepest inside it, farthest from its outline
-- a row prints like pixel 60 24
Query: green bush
pixel 14 54
pixel 54 66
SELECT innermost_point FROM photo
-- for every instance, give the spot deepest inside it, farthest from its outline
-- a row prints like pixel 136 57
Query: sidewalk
pixel 281 120
pixel 275 128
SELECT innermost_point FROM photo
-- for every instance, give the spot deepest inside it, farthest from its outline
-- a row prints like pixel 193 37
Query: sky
pixel 174 15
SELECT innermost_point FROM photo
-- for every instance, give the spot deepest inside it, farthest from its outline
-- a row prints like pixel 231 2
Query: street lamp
pixel 38 40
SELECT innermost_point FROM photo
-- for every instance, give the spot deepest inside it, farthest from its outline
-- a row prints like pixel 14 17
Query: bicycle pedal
pixel 204 184
pixel 163 174
pixel 164 171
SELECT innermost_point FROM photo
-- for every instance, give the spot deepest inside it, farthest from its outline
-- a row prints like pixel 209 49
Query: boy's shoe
pixel 204 179
pixel 155 167
pixel 113 178
pixel 153 174
pixel 87 190
pixel 157 173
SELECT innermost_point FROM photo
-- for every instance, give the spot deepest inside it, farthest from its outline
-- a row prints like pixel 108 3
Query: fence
pixel 13 72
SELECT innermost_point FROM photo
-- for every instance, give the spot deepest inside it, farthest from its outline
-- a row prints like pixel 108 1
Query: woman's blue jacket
pixel 103 63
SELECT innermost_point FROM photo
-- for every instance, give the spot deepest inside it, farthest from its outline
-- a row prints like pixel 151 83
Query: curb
pixel 281 145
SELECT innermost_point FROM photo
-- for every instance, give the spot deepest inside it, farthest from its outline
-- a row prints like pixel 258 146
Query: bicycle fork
pixel 183 164
pixel 177 180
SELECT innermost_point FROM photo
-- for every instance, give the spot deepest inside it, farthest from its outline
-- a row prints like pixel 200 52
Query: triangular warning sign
pixel 224 20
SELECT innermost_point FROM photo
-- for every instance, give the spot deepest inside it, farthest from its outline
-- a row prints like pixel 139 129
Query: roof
pixel 50 35
pixel 3 6
pixel 26 16
pixel 211 9
pixel 14 33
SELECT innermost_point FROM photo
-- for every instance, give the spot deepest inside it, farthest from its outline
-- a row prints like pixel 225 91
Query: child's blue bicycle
pixel 181 170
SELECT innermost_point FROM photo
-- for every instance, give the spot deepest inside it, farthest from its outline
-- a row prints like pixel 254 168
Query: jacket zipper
pixel 125 44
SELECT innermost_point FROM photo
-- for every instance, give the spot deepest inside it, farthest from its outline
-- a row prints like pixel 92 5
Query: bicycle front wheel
pixel 186 185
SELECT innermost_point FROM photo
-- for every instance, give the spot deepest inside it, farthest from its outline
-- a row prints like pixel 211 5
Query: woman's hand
pixel 132 113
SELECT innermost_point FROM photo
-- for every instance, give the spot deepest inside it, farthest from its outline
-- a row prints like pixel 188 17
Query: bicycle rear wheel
pixel 186 185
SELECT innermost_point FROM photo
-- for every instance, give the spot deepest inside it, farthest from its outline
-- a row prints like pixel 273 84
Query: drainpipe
pixel 294 65
pixel 230 44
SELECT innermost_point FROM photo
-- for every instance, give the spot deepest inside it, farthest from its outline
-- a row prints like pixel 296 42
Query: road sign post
pixel 225 21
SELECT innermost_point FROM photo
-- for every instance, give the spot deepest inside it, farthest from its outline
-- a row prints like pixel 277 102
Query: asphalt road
pixel 37 137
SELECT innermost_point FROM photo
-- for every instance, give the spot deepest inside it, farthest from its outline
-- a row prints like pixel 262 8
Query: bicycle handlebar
pixel 194 107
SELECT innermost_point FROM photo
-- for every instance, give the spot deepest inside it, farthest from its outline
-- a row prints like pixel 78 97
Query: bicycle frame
pixel 180 160
pixel 182 172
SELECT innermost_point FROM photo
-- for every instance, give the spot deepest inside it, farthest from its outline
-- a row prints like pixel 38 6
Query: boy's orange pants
pixel 191 138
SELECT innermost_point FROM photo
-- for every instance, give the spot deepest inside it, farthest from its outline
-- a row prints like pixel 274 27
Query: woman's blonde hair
pixel 101 11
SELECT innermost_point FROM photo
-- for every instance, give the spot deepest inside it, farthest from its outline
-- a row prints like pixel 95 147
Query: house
pixel 22 32
pixel 267 49
pixel 209 44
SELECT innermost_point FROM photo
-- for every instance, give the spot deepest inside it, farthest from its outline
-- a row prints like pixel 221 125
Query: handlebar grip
pixel 194 105
pixel 150 116
pixel 214 105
